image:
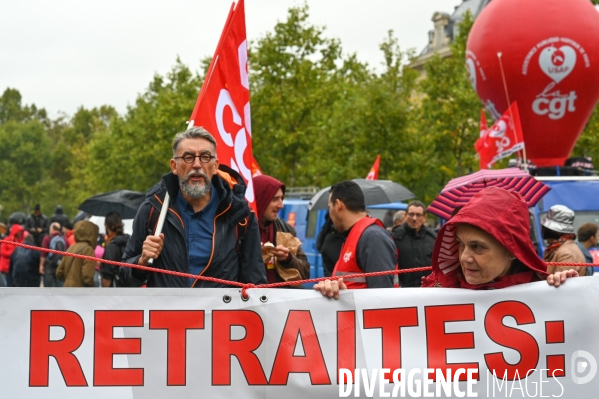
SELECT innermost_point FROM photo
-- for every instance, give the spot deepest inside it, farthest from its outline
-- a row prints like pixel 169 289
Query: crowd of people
pixel 211 231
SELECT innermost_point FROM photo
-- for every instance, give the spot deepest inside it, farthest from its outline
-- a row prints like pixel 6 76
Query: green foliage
pixel 294 86
pixel 132 152
pixel 588 143
pixel 24 157
pixel 446 122
pixel 318 116
pixel 12 110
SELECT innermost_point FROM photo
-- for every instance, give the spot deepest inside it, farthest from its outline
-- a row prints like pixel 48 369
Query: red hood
pixel 504 215
pixel 14 229
pixel 265 188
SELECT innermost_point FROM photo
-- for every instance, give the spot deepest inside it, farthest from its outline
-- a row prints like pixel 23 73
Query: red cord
pixel 245 287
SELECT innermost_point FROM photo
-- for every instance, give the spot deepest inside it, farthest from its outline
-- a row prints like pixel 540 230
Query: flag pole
pixel 509 105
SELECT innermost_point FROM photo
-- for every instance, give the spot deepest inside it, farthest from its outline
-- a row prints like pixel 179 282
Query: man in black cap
pixel 37 225
pixel 59 216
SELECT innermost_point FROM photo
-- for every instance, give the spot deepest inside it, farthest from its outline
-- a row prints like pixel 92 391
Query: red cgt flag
pixel 374 171
pixel 223 106
pixel 502 139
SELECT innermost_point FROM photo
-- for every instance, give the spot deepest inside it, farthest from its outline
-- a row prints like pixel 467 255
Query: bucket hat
pixel 560 218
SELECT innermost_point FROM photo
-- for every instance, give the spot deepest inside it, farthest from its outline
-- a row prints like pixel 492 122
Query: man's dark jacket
pixel 24 267
pixel 35 221
pixel 329 243
pixel 415 250
pixel 225 262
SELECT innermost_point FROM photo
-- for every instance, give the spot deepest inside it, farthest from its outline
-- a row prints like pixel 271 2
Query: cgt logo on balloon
pixel 557 58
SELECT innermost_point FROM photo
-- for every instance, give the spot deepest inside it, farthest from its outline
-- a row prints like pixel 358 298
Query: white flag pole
pixel 164 210
pixel 509 105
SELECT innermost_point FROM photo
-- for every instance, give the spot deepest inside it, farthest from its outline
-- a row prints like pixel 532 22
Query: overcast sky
pixel 63 54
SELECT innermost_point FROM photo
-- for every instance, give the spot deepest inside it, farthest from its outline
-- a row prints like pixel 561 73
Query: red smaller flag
pixel 256 170
pixel 483 123
pixel 502 139
pixel 374 171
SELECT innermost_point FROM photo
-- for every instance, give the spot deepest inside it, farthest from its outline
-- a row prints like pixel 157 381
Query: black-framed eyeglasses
pixel 415 215
pixel 190 158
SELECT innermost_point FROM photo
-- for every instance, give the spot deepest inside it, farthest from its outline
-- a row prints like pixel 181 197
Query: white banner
pixel 191 343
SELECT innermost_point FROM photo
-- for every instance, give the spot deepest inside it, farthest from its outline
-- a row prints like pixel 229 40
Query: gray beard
pixel 195 190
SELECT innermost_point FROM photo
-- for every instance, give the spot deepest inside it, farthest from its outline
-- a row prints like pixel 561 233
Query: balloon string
pixel 509 104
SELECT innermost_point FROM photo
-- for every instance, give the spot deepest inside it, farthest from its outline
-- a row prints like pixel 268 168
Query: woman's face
pixel 482 257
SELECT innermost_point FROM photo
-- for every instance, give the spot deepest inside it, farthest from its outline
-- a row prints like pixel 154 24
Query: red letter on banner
pixel 105 346
pixel 513 338
pixel 390 321
pixel 346 342
pixel 223 347
pixel 438 341
pixel 299 324
pixel 41 347
pixel 176 322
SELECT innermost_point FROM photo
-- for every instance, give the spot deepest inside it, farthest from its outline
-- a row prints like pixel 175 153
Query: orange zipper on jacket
pixel 172 210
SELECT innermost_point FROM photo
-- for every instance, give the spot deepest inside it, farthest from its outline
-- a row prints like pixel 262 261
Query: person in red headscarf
pixel 269 194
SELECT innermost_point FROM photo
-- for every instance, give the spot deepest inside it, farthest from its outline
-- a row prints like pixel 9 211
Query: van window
pixel 384 215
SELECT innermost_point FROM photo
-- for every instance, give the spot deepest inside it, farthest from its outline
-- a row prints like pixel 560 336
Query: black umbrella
pixel 17 218
pixel 375 192
pixel 124 202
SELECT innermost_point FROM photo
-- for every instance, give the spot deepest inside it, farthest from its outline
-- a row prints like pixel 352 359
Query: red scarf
pixel 555 246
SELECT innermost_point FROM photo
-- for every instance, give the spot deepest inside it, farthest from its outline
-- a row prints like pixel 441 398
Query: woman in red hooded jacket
pixel 6 249
pixel 486 245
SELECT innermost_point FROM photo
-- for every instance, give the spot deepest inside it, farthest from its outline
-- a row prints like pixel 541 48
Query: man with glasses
pixel 209 229
pixel 415 243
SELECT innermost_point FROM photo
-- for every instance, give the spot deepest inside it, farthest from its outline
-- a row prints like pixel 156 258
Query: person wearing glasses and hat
pixel 209 229
pixel 557 229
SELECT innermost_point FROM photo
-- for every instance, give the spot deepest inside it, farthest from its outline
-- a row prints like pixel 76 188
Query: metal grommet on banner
pixel 244 293
pixel 263 298
pixel 226 298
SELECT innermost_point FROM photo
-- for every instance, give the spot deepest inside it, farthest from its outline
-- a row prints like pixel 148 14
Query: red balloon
pixel 550 56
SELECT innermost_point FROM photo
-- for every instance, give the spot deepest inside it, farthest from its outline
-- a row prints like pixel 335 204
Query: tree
pixel 24 153
pixel 24 158
pixel 133 151
pixel 293 88
pixel 446 122
pixel 588 143
pixel 12 110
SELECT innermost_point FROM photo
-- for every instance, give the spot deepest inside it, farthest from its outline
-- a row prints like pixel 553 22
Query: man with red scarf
pixel 269 201
pixel 558 231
